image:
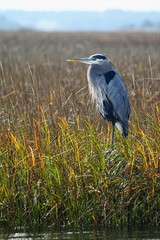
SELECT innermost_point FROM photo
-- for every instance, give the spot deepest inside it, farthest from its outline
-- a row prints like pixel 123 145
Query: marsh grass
pixel 54 170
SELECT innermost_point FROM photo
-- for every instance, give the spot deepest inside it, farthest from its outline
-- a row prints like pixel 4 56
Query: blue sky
pixel 85 5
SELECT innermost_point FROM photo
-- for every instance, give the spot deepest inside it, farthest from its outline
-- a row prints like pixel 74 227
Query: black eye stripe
pixel 98 56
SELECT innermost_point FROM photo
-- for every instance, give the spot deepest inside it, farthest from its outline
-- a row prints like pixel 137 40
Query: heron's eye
pixel 93 58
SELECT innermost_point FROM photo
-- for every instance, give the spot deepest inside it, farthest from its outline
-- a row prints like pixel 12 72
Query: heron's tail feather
pixel 122 128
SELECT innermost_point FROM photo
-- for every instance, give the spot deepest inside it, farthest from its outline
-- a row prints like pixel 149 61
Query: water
pixel 108 234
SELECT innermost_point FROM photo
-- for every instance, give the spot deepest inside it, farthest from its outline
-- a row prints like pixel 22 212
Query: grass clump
pixel 54 170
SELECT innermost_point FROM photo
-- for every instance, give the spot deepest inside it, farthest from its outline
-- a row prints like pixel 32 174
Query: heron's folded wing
pixel 117 95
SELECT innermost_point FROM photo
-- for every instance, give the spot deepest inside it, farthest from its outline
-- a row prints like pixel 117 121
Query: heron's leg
pixel 112 146
pixel 113 130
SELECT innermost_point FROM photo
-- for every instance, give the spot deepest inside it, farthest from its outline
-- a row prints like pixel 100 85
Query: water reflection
pixel 107 234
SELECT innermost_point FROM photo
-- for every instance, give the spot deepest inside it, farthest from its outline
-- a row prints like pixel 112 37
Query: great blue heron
pixel 108 90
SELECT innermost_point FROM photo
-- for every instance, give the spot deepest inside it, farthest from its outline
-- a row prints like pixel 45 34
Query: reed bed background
pixel 53 167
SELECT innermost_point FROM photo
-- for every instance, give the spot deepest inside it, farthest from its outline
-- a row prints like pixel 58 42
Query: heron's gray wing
pixel 117 95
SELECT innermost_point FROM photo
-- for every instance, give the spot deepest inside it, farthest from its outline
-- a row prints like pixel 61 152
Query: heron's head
pixel 93 59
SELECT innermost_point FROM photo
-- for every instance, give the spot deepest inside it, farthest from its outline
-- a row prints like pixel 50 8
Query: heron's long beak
pixel 83 60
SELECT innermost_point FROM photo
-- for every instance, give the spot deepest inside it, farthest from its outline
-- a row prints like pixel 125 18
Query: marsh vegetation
pixel 53 168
